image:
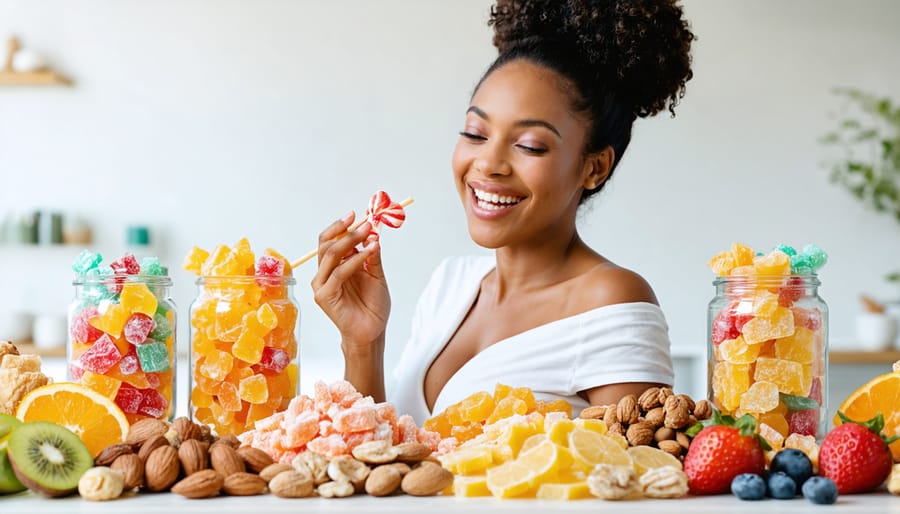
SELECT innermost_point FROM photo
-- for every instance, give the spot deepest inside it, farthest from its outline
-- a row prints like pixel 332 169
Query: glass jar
pixel 768 353
pixel 244 351
pixel 121 341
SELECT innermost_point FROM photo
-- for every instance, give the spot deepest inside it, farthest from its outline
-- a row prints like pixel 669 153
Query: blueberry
pixel 748 486
pixel 793 463
pixel 781 486
pixel 820 490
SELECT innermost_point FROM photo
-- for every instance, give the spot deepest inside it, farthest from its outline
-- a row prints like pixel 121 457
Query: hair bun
pixel 640 49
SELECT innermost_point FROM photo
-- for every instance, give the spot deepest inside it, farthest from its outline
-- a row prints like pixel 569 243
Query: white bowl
pixel 875 331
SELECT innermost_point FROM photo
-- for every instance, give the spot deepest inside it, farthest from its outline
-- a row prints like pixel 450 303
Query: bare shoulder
pixel 609 284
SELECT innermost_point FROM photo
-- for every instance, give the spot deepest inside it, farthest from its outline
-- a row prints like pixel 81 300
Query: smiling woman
pixel 546 127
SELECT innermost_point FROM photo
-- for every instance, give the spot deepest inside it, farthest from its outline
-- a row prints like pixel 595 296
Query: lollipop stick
pixel 312 253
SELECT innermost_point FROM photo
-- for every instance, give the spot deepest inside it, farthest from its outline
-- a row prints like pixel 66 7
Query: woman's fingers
pixel 350 266
pixel 333 251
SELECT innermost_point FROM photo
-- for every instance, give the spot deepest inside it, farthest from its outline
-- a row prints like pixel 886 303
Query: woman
pixel 546 127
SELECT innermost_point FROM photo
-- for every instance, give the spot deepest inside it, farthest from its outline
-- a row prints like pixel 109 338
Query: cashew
pixel 339 489
pixel 376 452
pixel 664 482
pixel 611 482
pixel 313 466
pixel 345 468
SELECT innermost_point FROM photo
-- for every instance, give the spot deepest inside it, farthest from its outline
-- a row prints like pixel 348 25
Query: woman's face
pixel 518 164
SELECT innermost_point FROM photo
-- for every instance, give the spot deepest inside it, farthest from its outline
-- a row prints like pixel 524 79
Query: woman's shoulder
pixel 610 284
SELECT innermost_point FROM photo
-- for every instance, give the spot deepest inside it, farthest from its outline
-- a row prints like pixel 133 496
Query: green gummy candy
pixel 163 329
pixel 786 249
pixel 151 266
pixel 154 357
pixel 86 261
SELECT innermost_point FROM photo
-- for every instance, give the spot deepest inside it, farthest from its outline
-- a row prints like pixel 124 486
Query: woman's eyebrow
pixel 521 123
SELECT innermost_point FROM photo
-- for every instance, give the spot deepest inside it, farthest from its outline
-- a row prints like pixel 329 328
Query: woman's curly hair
pixel 624 58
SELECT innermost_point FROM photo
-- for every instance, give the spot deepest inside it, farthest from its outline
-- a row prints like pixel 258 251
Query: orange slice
pixel 93 417
pixel 881 394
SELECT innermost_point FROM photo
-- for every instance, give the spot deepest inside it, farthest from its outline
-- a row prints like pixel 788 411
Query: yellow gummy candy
pixel 267 316
pixel 730 381
pixel 195 259
pixel 244 257
pixel 248 347
pixel 138 298
pixel 112 321
pixel 775 263
pixel 797 347
pixel 737 351
pixel 760 397
pixel 477 407
pixel 254 389
pixel 758 329
pixel 786 375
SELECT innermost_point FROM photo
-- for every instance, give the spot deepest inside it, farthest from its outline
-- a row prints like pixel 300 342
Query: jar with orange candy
pixel 244 352
pixel 768 340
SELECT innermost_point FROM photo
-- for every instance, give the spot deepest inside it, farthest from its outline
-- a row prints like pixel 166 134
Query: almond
pixel 228 440
pixel 152 444
pixel 111 453
pixel 186 429
pixel 426 480
pixel 193 456
pixel 145 429
pixel 383 480
pixel 132 468
pixel 226 460
pixel 162 468
pixel 272 470
pixel 202 484
pixel 412 452
pixel 243 484
pixel 291 484
pixel 255 459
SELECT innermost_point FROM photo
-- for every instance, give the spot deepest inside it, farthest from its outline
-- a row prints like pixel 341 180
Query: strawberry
pixel 721 450
pixel 855 455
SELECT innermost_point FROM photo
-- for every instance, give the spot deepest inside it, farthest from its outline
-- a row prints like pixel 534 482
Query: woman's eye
pixel 532 149
pixel 472 136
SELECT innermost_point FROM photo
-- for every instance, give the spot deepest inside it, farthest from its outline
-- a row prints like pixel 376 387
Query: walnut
pixel 593 412
pixel 664 392
pixel 677 412
pixel 671 447
pixel 664 482
pixel 640 434
pixel 616 429
pixel 655 416
pixel 649 399
pixel 609 417
pixel 690 402
pixel 611 482
pixel 627 410
pixel 663 434
pixel 702 409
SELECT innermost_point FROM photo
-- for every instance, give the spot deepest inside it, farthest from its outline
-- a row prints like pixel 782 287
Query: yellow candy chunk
pixel 594 425
pixel 111 321
pixel 505 408
pixel 786 375
pixel 216 365
pixel 267 316
pixel 775 263
pixel 477 407
pixel 765 303
pixel 797 347
pixel 572 491
pixel 244 257
pixel 214 260
pixel 107 386
pixel 722 263
pixel 737 351
pixel 730 381
pixel 195 259
pixel 758 329
pixel 742 255
pixel 469 460
pixel 470 486
pixel 772 436
pixel 254 389
pixel 248 347
pixel 138 298
pixel 559 432
pixel 760 397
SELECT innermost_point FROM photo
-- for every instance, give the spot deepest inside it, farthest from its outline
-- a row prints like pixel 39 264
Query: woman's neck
pixel 536 268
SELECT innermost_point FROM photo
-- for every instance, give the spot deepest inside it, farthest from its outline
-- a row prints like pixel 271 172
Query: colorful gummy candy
pixel 466 419
pixel 121 333
pixel 336 419
pixel 768 340
pixel 243 342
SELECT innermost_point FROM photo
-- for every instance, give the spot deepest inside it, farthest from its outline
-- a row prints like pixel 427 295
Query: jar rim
pixel 283 280
pixel 150 280
pixel 800 280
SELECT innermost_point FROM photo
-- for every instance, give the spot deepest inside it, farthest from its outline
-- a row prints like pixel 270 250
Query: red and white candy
pixel 382 210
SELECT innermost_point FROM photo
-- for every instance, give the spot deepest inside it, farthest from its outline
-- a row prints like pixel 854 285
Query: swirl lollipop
pixel 381 211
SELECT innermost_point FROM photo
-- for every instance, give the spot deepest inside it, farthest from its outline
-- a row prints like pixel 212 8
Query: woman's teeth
pixel 493 201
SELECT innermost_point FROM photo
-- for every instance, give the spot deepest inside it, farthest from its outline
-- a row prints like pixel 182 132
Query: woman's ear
pixel 597 167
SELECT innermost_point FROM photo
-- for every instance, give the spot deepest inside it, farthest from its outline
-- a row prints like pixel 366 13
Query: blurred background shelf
pixel 28 347
pixel 32 78
pixel 863 357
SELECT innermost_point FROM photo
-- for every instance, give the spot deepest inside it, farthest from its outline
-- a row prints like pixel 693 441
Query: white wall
pixel 213 120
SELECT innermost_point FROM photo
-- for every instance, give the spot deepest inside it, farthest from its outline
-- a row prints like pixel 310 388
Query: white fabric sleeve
pixel 626 343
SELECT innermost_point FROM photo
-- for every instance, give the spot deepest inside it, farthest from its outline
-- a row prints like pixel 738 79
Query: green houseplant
pixel 868 139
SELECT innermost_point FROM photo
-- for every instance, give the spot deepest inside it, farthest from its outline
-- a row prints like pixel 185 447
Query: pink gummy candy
pixel 101 356
pixel 82 331
pixel 128 399
pixel 269 266
pixel 138 327
pixel 126 264
pixel 152 380
pixel 76 371
pixel 274 359
pixel 153 403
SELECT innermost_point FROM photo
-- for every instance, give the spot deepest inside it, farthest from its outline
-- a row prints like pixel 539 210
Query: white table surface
pixel 170 503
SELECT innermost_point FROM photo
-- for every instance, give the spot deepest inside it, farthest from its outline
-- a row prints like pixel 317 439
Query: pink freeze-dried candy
pixel 354 419
pixel 138 327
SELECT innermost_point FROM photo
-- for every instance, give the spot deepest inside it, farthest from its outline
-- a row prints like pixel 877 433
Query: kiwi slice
pixel 48 458
pixel 7 425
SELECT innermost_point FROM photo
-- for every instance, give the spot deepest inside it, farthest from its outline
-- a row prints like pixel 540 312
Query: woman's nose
pixel 492 160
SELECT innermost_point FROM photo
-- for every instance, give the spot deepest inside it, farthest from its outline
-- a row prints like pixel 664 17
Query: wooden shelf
pixel 864 357
pixel 28 347
pixel 32 78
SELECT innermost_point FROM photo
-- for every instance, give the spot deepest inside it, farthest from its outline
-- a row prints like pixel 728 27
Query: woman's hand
pixel 350 285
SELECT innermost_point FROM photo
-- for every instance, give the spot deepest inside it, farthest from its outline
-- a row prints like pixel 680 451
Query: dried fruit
pixel 346 468
pixel 664 482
